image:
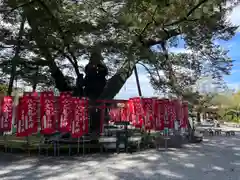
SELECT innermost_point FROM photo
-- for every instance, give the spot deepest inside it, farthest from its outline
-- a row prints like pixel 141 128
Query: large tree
pixel 124 32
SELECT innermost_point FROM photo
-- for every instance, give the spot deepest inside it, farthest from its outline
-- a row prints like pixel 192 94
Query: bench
pixel 230 133
pixel 57 140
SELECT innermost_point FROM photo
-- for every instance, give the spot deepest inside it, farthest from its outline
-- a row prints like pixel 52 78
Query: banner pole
pixel 5 141
pixel 83 146
pixel 78 145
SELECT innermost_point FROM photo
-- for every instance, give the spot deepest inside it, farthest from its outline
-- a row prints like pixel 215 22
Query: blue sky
pixel 233 80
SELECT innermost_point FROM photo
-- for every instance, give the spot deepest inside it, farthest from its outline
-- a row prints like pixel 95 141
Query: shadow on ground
pixel 216 158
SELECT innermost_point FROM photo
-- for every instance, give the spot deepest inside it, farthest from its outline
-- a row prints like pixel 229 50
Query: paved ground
pixel 216 158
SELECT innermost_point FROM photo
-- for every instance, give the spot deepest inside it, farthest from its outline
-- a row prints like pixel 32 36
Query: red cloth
pixel 31 113
pixel 6 114
pixel 80 117
pixel 148 107
pixel 138 112
pixel 185 115
pixel 21 122
pixel 47 114
pixel 159 115
pixel 171 114
pixel 65 111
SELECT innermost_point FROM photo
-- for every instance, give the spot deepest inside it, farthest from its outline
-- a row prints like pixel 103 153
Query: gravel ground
pixel 215 158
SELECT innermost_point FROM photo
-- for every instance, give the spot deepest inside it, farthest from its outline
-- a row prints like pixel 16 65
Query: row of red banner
pixel 70 114
pixel 152 113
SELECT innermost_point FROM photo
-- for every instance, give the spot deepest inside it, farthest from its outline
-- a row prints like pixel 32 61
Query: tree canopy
pixel 51 40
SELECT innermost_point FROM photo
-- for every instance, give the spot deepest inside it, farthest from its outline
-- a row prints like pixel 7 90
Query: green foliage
pixel 124 31
pixel 228 106
pixel 3 88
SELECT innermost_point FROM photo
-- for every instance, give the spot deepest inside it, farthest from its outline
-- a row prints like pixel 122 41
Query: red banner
pixel 171 114
pixel 138 112
pixel 6 114
pixel 31 114
pixel 177 105
pixel 185 115
pixel 21 127
pixel 148 106
pixel 125 113
pixel 159 115
pixel 80 118
pixel 65 107
pixel 166 112
pixel 85 116
pixel 47 114
pixel 114 114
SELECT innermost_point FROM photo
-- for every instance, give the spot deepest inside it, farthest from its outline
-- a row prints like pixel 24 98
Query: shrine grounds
pixel 217 157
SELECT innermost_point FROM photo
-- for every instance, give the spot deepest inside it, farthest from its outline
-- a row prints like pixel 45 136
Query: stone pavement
pixel 216 158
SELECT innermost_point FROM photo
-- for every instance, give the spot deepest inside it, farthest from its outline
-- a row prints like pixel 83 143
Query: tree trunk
pixel 35 80
pixel 115 83
pixel 16 57
pixel 198 116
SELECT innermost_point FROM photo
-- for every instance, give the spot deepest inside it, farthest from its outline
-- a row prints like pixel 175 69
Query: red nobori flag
pixel 65 101
pixel 148 106
pixel 47 114
pixel 138 112
pixel 78 113
pixel 125 113
pixel 85 117
pixel 130 109
pixel 166 113
pixel 185 115
pixel 80 117
pixel 159 115
pixel 21 113
pixel 114 115
pixel 31 123
pixel 177 106
pixel 180 114
pixel 171 114
pixel 6 114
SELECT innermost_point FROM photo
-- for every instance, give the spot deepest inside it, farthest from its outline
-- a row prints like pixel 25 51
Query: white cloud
pixel 234 16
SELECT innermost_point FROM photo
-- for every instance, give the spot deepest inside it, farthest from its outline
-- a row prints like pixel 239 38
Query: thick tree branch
pixel 17 7
pixel 190 12
pixel 72 60
pixel 165 36
pixel 60 80
pixel 115 84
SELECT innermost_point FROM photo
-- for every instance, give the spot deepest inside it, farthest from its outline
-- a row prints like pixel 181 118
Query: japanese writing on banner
pixel 185 115
pixel 125 113
pixel 65 102
pixel 114 114
pixel 171 114
pixel 148 106
pixel 47 113
pixel 80 118
pixel 6 114
pixel 138 112
pixel 21 127
pixel 31 123
pixel 85 116
pixel 159 115
pixel 166 112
